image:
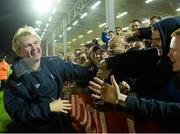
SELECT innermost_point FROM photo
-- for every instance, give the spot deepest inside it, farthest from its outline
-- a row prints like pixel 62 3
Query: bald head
pixel 116 45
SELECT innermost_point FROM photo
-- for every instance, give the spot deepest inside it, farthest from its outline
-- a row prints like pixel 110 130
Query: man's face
pixel 30 48
pixel 135 25
pixel 111 34
pixel 154 20
pixel 156 41
pixel 83 57
pixel 77 52
pixel 118 31
pixel 99 56
pixel 116 46
pixel 174 53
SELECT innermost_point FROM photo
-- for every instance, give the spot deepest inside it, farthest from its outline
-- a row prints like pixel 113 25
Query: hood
pixel 166 27
pixel 23 66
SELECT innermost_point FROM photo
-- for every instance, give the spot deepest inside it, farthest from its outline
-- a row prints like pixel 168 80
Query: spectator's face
pixel 99 56
pixel 174 53
pixel 154 20
pixel 118 31
pixel 83 58
pixel 111 34
pixel 30 48
pixel 156 41
pixel 135 25
pixel 116 46
pixel 76 53
pixel 86 50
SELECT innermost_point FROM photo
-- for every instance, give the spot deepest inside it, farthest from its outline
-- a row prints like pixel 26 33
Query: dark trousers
pixel 2 84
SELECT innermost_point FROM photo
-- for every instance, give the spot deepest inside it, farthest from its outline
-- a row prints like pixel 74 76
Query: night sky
pixel 14 14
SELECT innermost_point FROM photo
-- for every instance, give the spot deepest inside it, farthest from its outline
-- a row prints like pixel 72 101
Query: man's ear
pixel 18 53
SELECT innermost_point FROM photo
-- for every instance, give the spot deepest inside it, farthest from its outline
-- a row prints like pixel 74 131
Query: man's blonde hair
pixel 22 32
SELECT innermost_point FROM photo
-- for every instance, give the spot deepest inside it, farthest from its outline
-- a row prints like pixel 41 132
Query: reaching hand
pixel 106 92
pixel 124 87
pixel 60 106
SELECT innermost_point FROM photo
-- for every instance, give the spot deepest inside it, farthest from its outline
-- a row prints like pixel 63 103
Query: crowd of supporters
pixel 143 97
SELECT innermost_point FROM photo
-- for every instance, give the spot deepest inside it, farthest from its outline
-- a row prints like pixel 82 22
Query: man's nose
pixel 33 46
pixel 154 44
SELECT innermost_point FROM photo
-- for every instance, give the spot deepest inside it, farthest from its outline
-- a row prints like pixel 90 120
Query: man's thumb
pixel 113 81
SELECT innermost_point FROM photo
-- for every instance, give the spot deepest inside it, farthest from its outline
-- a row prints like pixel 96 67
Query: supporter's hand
pixel 106 92
pixel 124 87
pixel 60 106
pixel 103 72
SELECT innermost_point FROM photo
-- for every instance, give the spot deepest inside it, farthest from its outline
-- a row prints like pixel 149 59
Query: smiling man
pixel 174 52
pixel 33 92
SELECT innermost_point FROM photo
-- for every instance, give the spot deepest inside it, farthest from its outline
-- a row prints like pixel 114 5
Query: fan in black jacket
pixel 166 113
pixel 151 68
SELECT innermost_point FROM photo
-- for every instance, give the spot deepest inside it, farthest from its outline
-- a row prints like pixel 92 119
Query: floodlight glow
pixel 145 21
pixel 148 1
pixel 80 36
pixel 125 28
pixel 38 22
pixel 122 14
pixel 43 33
pixel 46 5
pixel 75 23
pixel 69 28
pixel 50 18
pixel 90 31
pixel 96 4
pixel 83 15
pixel 60 36
pixel 45 29
pixel 74 40
pixel 54 10
pixel 69 42
pixel 88 41
pixel 101 25
pixel 178 9
pixel 82 44
pixel 36 29
pixel 47 25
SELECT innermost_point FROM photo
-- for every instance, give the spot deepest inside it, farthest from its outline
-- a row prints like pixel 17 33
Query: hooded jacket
pixel 166 27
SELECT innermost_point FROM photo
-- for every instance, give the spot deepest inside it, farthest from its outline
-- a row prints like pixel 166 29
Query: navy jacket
pixel 165 113
pixel 27 97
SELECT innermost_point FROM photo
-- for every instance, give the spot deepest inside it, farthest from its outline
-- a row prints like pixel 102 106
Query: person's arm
pixel 153 109
pixel 134 63
pixel 141 108
pixel 73 72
